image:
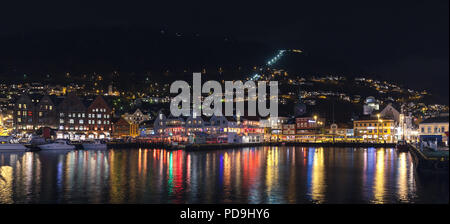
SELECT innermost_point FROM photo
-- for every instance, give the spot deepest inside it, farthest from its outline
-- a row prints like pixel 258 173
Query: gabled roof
pixel 72 101
pixel 99 100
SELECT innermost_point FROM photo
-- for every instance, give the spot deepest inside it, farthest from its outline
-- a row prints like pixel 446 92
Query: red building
pixel 99 119
pixel 307 125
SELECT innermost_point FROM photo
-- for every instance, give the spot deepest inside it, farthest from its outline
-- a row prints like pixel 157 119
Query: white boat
pixel 95 145
pixel 7 144
pixel 57 145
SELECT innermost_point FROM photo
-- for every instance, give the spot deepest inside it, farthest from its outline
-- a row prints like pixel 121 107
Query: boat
pixel 176 145
pixel 8 144
pixel 94 145
pixel 402 146
pixel 57 145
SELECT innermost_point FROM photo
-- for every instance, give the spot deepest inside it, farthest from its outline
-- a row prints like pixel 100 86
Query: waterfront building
pixel 71 118
pixel 45 113
pixel 309 125
pixel 195 124
pixel 222 125
pixel 308 128
pixel 434 129
pixel 99 119
pixel 288 130
pixel 124 128
pixel 273 127
pixel 159 124
pixel 137 117
pixel 32 112
pixel 146 128
pixel 251 131
pixel 375 129
pixel 223 130
pixel 78 120
pixel 170 128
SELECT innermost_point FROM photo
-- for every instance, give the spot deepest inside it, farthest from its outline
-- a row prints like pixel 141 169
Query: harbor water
pixel 245 175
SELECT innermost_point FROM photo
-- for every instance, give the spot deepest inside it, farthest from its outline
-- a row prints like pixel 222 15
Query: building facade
pixel 375 130
pixel 434 129
pixel 32 112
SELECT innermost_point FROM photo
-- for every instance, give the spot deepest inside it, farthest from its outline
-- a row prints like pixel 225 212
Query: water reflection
pixel 249 175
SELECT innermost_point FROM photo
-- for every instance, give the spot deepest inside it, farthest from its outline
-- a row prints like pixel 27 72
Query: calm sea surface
pixel 248 175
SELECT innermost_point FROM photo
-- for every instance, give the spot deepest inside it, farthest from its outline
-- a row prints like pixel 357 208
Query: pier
pixel 427 160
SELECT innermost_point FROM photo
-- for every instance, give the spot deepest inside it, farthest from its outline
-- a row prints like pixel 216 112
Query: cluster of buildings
pixel 76 118
pixel 68 117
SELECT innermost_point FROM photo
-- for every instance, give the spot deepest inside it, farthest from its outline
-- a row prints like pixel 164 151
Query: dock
pixel 428 160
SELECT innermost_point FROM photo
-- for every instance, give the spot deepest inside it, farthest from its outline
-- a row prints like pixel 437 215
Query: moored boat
pixel 402 146
pixel 57 145
pixel 7 144
pixel 94 145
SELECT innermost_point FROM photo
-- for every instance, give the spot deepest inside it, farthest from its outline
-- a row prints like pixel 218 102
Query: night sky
pixel 405 41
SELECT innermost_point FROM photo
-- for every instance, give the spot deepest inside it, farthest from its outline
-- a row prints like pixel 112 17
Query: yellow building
pixel 375 130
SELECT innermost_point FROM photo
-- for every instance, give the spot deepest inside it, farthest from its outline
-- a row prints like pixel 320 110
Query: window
pixel 81 122
pixel 423 130
pixel 71 121
pixel 442 129
pixel 20 106
pixel 61 121
pixel 429 129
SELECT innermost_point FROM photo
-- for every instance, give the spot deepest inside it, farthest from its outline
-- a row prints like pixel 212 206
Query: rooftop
pixel 435 120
